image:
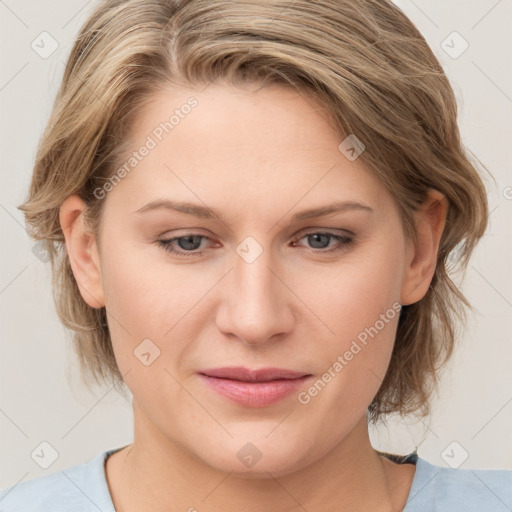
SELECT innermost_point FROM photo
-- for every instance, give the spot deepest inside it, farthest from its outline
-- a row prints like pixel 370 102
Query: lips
pixel 246 375
pixel 254 388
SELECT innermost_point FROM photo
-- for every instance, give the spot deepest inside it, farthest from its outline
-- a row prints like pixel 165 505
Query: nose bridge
pixel 256 306
pixel 255 278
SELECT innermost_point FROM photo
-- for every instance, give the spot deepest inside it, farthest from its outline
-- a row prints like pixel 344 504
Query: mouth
pixel 259 375
pixel 254 388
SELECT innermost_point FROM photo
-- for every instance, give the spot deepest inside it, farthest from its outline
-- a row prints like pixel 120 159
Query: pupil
pixel 184 242
pixel 316 236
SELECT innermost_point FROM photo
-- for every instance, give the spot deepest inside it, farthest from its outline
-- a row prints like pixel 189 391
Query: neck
pixel 155 473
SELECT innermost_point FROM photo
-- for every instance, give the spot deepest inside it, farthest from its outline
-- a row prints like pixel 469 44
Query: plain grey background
pixel 42 399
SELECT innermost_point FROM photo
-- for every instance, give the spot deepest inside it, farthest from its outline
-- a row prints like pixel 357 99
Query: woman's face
pixel 266 286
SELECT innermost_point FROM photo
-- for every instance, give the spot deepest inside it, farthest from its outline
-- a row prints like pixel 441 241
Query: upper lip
pixel 248 375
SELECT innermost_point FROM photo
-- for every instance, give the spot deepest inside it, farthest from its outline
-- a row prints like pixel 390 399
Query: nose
pixel 257 304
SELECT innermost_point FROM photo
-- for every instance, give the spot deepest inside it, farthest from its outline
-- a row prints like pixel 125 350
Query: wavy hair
pixel 363 60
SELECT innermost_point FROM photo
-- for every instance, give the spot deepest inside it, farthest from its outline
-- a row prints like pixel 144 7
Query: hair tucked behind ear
pixel 362 59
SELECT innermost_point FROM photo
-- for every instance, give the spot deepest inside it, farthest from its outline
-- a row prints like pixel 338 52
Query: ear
pixel 422 255
pixel 82 251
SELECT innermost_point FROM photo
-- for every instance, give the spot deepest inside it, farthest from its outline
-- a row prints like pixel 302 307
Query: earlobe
pixel 422 256
pixel 82 251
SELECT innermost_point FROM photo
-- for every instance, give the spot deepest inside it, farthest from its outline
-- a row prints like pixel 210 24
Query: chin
pixel 256 459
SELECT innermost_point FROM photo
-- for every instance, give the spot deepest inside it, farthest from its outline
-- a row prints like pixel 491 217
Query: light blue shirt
pixel 83 488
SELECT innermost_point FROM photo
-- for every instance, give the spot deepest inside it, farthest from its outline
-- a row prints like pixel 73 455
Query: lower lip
pixel 254 394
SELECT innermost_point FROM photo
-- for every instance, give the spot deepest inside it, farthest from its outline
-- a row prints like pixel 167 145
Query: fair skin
pixel 257 156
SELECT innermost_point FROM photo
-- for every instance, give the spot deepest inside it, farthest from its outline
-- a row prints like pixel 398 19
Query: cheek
pixel 361 308
pixel 358 291
pixel 147 300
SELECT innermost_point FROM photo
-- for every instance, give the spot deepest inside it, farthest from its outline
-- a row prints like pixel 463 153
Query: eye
pixel 188 244
pixel 320 240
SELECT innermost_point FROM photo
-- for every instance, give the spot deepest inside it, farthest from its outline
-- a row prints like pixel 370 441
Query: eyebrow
pixel 205 212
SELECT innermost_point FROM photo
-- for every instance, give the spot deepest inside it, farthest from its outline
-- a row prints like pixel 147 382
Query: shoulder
pixel 441 488
pixel 82 487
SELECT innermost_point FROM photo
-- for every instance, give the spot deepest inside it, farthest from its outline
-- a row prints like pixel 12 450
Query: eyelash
pixel 346 240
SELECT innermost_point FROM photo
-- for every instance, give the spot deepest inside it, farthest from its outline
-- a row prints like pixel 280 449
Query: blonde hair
pixel 362 59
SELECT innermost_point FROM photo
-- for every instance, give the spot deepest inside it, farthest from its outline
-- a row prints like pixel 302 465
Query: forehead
pixel 273 117
pixel 252 146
